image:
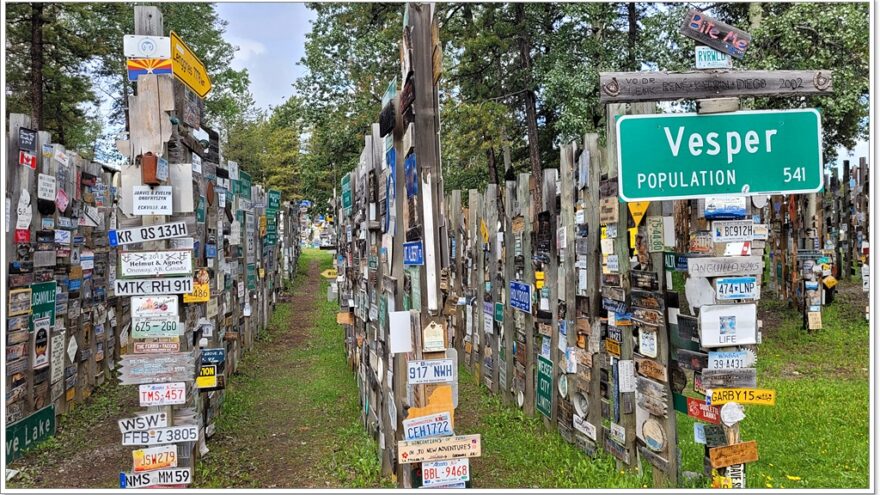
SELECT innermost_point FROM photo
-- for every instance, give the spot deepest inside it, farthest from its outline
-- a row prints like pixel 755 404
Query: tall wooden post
pixel 507 325
pixel 491 349
pixel 847 224
pixel 528 278
pixel 548 205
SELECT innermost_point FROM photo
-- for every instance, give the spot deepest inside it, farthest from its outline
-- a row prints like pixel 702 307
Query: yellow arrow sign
pixel 330 273
pixel 637 209
pixel 188 68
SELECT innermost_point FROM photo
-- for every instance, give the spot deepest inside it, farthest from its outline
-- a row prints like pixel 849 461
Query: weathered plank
pixel 657 86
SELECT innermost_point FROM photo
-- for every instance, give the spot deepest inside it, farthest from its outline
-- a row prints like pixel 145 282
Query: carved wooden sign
pixel 738 453
pixel 619 87
pixel 650 368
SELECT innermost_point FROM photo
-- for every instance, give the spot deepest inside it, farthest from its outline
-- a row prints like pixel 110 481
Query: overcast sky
pixel 271 40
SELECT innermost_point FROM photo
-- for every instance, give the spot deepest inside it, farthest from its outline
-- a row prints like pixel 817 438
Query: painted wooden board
pixel 437 449
pixel 715 34
pixel 725 266
pixel 157 368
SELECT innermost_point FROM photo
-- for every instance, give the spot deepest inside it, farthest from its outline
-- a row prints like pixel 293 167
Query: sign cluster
pixel 131 269
pixel 389 285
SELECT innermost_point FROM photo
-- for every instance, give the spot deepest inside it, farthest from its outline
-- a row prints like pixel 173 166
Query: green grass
pixel 309 391
pixel 815 437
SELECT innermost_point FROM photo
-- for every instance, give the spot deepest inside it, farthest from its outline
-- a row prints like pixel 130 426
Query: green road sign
pixel 545 386
pixel 274 200
pixel 346 191
pixel 27 433
pixel 690 156
pixel 43 302
pixel 244 184
pixel 251 276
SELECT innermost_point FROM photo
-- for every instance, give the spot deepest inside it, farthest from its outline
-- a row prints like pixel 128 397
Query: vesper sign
pixel 690 156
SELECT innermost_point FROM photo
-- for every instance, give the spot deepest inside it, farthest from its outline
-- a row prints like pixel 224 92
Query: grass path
pixel 290 417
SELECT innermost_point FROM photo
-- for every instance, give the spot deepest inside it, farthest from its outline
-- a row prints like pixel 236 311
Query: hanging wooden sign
pixel 651 368
pixel 619 87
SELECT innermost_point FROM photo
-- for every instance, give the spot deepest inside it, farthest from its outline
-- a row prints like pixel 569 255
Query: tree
pixel 70 50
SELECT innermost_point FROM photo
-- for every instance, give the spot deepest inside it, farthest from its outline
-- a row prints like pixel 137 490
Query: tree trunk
pixel 36 50
pixel 525 49
pixel 632 35
pixel 756 13
pixel 493 166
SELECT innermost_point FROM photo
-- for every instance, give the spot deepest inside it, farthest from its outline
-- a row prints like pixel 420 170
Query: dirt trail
pixel 277 428
pixel 270 442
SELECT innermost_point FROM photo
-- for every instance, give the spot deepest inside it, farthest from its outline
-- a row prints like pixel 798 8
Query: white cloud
pixel 247 50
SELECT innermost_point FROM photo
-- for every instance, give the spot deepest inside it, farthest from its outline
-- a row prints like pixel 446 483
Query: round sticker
pixel 732 413
pixel 520 399
pixel 563 386
pixel 581 404
pixel 655 437
pixel 759 201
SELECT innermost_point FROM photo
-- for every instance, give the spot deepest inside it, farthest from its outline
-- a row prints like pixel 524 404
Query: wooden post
pixel 477 281
pixel 590 202
pixel 846 225
pixel 507 326
pixel 455 275
pixel 622 250
pixel 399 377
pixel 148 22
pixel 490 212
pixel 548 205
pixel 528 278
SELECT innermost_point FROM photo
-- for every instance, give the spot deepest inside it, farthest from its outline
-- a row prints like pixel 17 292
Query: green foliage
pixel 83 61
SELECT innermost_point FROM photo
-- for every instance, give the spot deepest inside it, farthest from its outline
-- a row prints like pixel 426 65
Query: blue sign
pixel 412 175
pixel 211 250
pixel 521 296
pixel 612 305
pixel 114 241
pixel 213 356
pixel 305 203
pixel 413 253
